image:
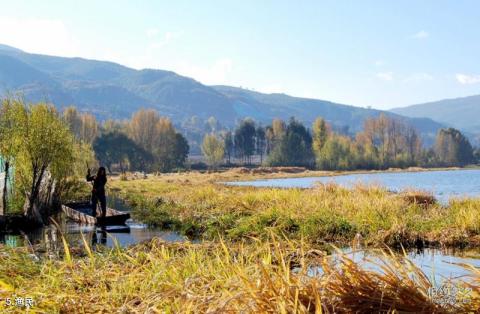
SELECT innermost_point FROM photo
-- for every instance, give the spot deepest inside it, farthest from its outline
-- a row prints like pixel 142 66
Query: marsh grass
pixel 198 206
pixel 273 276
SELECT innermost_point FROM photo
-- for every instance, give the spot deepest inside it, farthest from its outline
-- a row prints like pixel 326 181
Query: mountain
pixel 461 113
pixel 110 90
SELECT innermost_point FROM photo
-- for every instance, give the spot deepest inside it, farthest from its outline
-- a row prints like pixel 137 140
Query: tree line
pixel 146 142
pixel 384 142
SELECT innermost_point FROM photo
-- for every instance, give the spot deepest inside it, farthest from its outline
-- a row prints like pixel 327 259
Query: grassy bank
pixel 198 206
pixel 270 276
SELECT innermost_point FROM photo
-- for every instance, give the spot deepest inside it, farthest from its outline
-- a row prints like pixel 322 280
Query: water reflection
pixel 48 239
pixel 103 237
pixel 438 265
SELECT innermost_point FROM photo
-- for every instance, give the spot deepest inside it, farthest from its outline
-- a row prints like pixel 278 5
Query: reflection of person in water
pixel 98 191
pixel 103 237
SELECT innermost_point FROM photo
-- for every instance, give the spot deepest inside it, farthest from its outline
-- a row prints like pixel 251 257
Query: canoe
pixel 81 212
pixel 16 223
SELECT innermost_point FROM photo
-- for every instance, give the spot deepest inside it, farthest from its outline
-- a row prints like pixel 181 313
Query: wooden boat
pixel 81 212
pixel 15 223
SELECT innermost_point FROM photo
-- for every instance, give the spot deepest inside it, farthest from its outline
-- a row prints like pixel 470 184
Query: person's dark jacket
pixel 98 184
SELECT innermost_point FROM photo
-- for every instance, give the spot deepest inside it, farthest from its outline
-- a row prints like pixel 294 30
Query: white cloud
pixel 421 35
pixel 46 36
pixel 385 76
pixel 419 77
pixel 466 79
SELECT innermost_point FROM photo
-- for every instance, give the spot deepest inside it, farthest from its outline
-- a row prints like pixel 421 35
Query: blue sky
pixel 365 53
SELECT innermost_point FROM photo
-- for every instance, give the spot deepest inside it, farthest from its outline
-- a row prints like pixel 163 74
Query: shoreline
pixel 196 205
pixel 245 174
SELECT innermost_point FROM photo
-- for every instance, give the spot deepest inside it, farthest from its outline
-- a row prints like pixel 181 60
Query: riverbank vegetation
pixel 39 154
pixel 199 206
pixel 273 276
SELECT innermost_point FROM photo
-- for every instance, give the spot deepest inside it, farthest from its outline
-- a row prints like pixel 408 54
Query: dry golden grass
pixel 199 206
pixel 273 276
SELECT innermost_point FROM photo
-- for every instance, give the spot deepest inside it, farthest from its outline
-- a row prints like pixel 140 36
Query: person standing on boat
pixel 98 190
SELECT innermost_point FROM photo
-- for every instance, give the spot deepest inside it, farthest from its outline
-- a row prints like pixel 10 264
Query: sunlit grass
pixel 273 276
pixel 199 206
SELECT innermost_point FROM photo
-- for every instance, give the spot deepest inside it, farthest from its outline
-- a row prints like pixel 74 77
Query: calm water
pixel 439 266
pixel 48 238
pixel 443 184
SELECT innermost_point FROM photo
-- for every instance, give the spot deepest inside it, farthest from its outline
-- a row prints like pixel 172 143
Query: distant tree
pixel 157 135
pixel 229 146
pixel 389 142
pixel 83 126
pixel 143 128
pixel 213 149
pixel 367 152
pixel 116 148
pixel 278 128
pixel 337 154
pixel 453 148
pixel 413 145
pixel 164 146
pixel 73 120
pixel 269 139
pixel 260 142
pixel 295 147
pixel 110 126
pixel 212 125
pixel 181 149
pixel 320 136
pixel 245 140
pixel 89 128
pixel 476 155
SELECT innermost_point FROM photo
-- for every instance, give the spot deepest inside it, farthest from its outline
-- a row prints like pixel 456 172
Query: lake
pixel 438 265
pixel 442 184
pixel 48 238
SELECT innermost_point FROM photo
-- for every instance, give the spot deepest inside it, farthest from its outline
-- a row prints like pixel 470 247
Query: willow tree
pixel 320 133
pixel 453 148
pixel 46 153
pixel 157 136
pixel 73 120
pixel 143 128
pixel 89 130
pixel 83 125
pixel 10 142
pixel 213 149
